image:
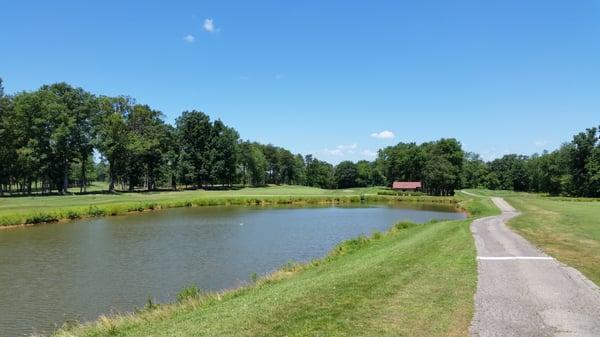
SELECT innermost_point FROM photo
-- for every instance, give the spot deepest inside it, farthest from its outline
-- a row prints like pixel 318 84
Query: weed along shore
pixel 410 279
pixel 26 211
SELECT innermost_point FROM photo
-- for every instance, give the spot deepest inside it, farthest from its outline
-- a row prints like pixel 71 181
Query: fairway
pixel 17 210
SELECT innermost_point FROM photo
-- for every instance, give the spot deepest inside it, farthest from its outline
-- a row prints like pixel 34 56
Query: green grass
pixel 566 228
pixel 415 280
pixel 38 209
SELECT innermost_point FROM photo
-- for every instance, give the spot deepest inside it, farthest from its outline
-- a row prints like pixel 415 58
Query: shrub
pixel 404 225
pixel 95 211
pixel 71 214
pixel 191 291
pixel 351 245
pixel 41 218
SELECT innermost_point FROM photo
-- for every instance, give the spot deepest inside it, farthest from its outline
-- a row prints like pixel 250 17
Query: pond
pixel 78 270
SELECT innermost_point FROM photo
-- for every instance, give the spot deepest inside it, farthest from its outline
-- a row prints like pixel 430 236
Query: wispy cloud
pixel 333 152
pixel 341 150
pixel 348 147
pixel 189 38
pixel 368 153
pixel 209 25
pixel 279 76
pixel 540 143
pixel 385 134
pixel 491 154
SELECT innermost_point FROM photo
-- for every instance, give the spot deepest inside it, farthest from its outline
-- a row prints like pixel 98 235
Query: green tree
pixel 346 174
pixel 475 171
pixel 319 173
pixel 112 135
pixel 194 130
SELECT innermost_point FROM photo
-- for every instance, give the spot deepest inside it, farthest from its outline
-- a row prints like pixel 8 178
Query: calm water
pixel 78 270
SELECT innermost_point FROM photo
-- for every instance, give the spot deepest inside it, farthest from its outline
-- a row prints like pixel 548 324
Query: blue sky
pixel 327 77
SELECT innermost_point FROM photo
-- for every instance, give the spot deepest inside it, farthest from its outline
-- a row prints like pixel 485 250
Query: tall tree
pixel 346 174
pixel 194 130
pixel 112 135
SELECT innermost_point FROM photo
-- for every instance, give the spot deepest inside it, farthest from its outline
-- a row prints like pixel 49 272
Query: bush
pixel 189 292
pixel 41 218
pixel 94 211
pixel 72 215
pixel 351 245
pixel 404 225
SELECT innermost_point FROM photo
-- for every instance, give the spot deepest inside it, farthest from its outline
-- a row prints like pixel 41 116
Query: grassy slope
pixel 416 281
pixel 566 228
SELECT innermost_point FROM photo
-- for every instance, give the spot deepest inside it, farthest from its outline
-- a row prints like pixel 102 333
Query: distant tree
pixel 194 130
pixel 223 154
pixel 365 172
pixel 475 171
pixel 579 154
pixel 112 135
pixel 346 174
pixel 511 172
pixel 440 177
pixel 319 173
pixel 443 170
pixel 253 163
pixel 148 141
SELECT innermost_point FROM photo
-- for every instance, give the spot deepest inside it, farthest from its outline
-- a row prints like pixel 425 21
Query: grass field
pixel 415 280
pixel 38 209
pixel 566 228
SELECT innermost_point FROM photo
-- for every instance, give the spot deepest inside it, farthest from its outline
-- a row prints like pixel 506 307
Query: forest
pixel 59 137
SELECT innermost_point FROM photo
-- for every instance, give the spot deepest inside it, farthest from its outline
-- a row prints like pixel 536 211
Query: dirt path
pixel 524 292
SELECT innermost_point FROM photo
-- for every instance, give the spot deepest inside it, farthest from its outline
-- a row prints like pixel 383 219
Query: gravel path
pixel 524 292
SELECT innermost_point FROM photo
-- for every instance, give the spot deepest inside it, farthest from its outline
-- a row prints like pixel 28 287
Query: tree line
pixel 571 170
pixel 52 137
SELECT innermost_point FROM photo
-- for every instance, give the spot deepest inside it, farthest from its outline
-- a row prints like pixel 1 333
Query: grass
pixel 566 228
pixel 414 280
pixel 39 209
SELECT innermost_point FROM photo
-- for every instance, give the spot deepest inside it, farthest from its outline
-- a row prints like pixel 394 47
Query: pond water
pixel 78 270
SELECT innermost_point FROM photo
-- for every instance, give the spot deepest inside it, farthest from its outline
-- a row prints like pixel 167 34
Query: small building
pixel 407 186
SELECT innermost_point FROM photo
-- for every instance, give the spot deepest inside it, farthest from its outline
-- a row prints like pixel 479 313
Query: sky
pixel 338 79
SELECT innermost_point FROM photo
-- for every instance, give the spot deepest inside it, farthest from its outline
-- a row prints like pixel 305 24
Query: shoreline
pixel 62 215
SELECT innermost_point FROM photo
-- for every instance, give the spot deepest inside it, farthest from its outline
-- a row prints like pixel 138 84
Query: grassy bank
pixel 415 280
pixel 566 228
pixel 40 209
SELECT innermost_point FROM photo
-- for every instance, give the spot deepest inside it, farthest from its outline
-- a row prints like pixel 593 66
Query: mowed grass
pixel 415 280
pixel 21 210
pixel 38 209
pixel 566 228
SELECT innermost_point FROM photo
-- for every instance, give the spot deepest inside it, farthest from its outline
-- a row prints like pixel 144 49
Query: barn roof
pixel 406 185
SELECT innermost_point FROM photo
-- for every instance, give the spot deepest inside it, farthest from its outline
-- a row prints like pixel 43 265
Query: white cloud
pixel 385 134
pixel 491 154
pixel 341 150
pixel 368 153
pixel 348 147
pixel 540 143
pixel 209 25
pixel 189 38
pixel 333 152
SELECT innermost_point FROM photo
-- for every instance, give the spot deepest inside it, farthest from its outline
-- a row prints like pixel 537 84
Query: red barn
pixel 407 185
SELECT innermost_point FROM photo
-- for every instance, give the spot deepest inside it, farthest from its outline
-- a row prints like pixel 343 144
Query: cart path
pixel 523 292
